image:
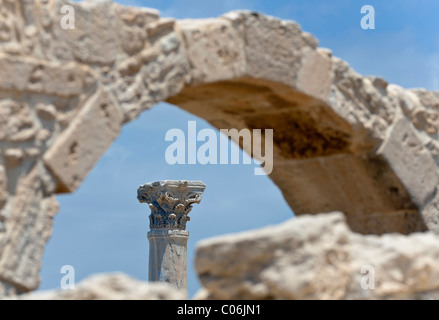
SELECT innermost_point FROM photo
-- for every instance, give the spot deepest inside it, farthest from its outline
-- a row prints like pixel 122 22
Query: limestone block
pixel 407 100
pixel 357 184
pixel 310 40
pixel 7 25
pixel 317 257
pixel 80 146
pixel 427 120
pixel 16 123
pixel 95 36
pixel 43 135
pixel 112 286
pixel 47 112
pixel 364 187
pixel 315 75
pixel 149 55
pixel 379 223
pixel 129 66
pixel 405 267
pixel 344 98
pixel 32 152
pixel 132 27
pixel 15 73
pixel 48 181
pixel 28 8
pixel 7 290
pixel 170 42
pixel 162 77
pixel 430 214
pixel 28 75
pixel 428 98
pixel 28 228
pixel 173 73
pixel 157 72
pixel 159 28
pixel 304 258
pixel 411 162
pixel 45 13
pixel 215 49
pixel 133 39
pixel 272 47
pixel 433 146
pixel 13 157
pixel 137 15
pixel 372 92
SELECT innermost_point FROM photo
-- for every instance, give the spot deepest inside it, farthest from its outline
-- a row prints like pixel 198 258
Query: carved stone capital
pixel 170 202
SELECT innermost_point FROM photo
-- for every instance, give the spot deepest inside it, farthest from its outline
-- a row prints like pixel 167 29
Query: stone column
pixel 170 202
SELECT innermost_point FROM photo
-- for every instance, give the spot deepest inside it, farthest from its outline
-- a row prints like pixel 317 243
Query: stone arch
pixel 342 141
pixel 330 145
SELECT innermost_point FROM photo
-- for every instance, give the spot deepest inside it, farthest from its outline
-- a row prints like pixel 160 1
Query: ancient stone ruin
pixel 342 142
pixel 170 202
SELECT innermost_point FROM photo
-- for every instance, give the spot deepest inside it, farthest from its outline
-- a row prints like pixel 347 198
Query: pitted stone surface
pixel 318 257
pixel 112 286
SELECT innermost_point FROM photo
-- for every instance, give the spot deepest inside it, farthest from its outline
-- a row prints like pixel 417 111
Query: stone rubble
pixel 318 257
pixel 111 286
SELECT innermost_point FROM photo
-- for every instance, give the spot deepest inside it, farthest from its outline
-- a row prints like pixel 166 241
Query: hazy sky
pixel 102 227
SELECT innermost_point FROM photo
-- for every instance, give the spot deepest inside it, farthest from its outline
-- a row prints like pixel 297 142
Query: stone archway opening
pixel 104 210
pixel 321 162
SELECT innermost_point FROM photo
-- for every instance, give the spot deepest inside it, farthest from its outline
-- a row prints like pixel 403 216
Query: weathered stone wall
pixel 342 141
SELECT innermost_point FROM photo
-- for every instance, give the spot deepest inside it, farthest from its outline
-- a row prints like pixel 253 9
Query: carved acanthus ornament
pixel 170 202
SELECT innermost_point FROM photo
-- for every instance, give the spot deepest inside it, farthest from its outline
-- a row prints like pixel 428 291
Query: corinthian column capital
pixel 170 202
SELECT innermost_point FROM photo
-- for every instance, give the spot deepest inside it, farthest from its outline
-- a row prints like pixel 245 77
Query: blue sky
pixel 102 227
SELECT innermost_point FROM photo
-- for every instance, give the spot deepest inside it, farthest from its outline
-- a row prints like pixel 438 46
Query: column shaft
pixel 168 256
pixel 170 202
